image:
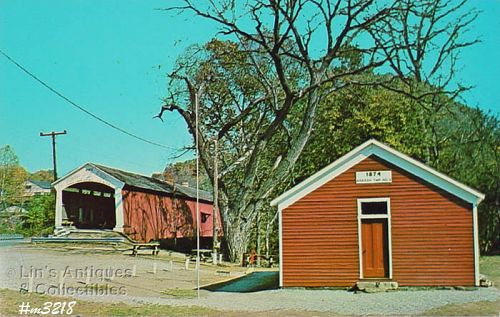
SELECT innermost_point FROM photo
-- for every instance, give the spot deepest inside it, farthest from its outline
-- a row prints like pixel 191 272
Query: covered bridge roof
pixel 148 183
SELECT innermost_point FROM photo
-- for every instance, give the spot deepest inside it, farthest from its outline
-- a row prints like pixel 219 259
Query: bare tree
pixel 280 59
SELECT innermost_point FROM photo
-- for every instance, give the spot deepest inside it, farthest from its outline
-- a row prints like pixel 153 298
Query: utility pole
pixel 215 232
pixel 53 135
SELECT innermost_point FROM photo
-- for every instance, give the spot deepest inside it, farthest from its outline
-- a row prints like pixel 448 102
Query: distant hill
pixel 42 175
pixel 184 173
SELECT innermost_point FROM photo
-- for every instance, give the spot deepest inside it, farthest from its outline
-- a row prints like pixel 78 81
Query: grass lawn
pixel 179 293
pixel 489 266
pixel 10 301
pixel 484 308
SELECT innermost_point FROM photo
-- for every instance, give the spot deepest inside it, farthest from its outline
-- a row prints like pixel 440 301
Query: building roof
pixel 150 183
pixel 374 147
pixel 144 182
pixel 41 184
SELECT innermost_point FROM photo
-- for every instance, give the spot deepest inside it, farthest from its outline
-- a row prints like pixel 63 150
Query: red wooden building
pixel 377 214
pixel 99 197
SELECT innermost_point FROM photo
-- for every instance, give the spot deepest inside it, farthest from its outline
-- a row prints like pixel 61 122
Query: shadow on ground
pixel 253 282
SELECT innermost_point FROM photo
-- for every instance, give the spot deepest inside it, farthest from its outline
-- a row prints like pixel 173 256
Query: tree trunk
pixel 268 234
pixel 258 238
pixel 237 240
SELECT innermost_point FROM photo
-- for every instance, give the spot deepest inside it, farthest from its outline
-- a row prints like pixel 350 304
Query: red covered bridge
pixel 145 208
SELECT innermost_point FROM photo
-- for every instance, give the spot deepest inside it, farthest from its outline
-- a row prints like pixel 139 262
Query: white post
pixel 197 202
pixel 476 245
pixel 215 209
pixel 118 210
pixel 59 209
pixel 280 239
pixel 31 282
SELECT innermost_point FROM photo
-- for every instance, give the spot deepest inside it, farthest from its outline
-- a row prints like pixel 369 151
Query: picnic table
pixel 153 246
pixel 205 254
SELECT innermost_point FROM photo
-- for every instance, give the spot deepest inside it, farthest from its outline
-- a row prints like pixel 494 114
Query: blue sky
pixel 112 58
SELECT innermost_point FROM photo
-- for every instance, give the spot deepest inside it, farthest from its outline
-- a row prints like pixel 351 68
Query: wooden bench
pixel 223 273
pixel 154 246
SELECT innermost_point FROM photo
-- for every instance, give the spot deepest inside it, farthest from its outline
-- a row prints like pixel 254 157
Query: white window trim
pixel 387 216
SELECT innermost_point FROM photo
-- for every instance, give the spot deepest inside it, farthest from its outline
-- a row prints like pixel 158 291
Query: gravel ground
pixel 147 287
pixel 48 266
pixel 334 301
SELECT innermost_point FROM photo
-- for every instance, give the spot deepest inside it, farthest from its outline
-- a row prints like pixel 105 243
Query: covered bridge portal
pixel 90 205
pixel 99 197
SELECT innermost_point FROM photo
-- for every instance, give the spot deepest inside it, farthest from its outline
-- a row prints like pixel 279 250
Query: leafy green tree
pixel 454 139
pixel 281 59
pixel 12 178
pixel 356 114
pixel 40 217
pixel 41 209
pixel 469 151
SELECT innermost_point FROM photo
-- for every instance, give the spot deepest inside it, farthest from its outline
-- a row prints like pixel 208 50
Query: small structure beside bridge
pixel 378 216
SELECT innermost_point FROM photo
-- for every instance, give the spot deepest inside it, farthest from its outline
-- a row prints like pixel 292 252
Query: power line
pixel 80 107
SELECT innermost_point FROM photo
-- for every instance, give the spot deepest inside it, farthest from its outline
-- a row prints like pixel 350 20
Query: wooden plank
pixel 432 242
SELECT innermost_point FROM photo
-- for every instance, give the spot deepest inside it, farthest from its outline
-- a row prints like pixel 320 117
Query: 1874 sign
pixel 373 177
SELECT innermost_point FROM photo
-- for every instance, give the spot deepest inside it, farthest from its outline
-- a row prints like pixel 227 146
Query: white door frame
pixel 387 216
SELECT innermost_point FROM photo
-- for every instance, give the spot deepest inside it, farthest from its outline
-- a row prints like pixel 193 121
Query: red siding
pixel 150 217
pixel 432 232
